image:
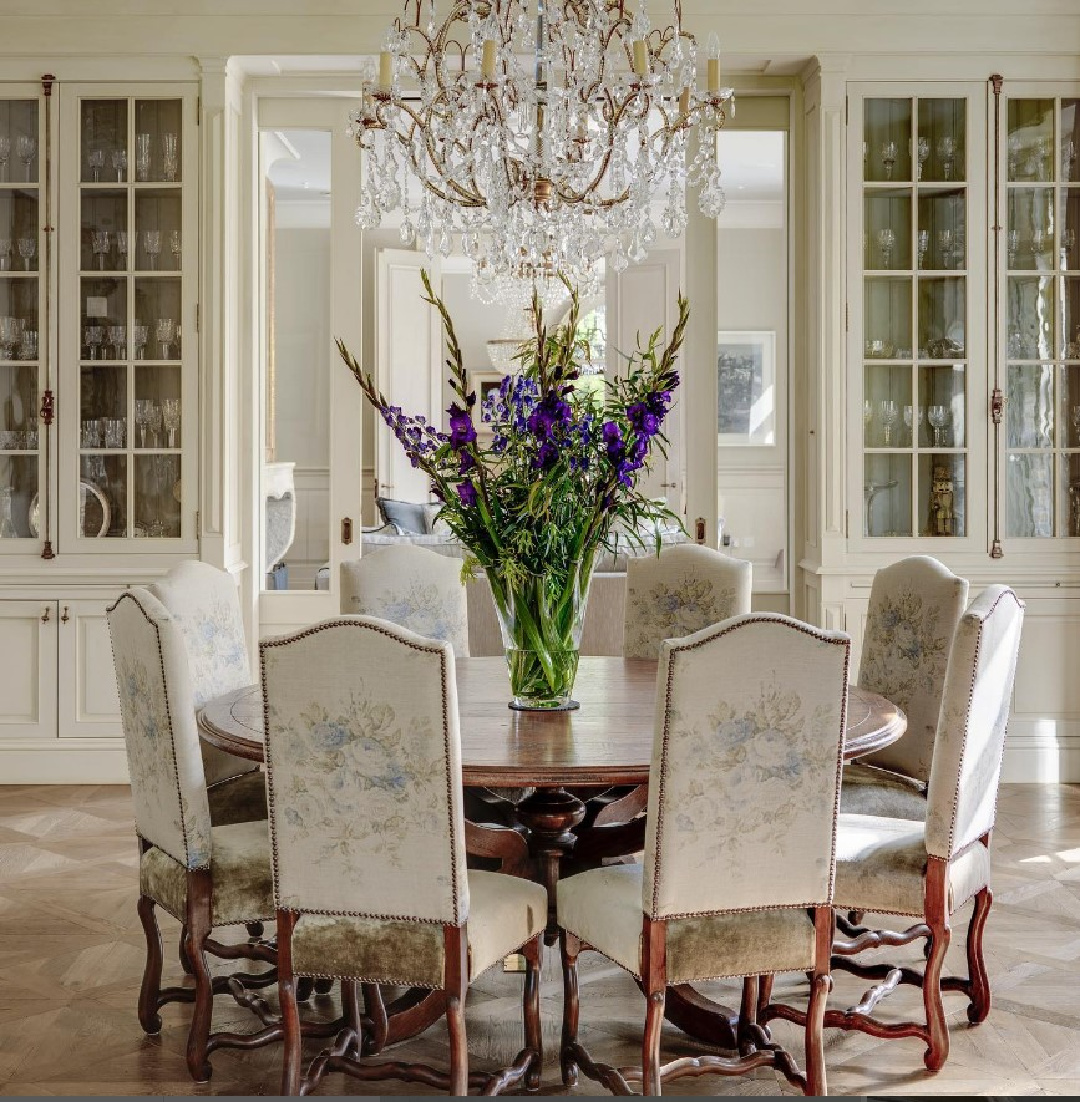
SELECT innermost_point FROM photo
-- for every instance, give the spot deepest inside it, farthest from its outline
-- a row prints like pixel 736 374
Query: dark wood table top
pixel 607 741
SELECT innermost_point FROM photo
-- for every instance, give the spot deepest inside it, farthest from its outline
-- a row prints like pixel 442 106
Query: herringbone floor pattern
pixel 71 955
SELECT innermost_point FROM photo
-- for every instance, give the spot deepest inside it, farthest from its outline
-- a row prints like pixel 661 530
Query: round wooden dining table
pixel 566 757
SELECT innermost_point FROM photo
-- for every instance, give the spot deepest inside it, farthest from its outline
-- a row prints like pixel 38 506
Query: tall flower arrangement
pixel 554 481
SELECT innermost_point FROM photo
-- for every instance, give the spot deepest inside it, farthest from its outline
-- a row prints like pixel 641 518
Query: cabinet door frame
pixel 69 314
pixel 74 653
pixel 978 373
pixel 43 726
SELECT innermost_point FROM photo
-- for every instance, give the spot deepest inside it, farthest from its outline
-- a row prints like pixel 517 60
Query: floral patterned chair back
pixel 745 778
pixel 204 602
pixel 962 797
pixel 413 587
pixel 363 764
pixel 680 591
pixel 915 605
pixel 168 788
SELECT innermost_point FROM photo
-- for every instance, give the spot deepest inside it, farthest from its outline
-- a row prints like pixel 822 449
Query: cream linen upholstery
pixel 881 867
pixel 680 591
pixel 364 764
pixel 204 603
pixel 915 605
pixel 964 781
pixel 413 587
pixel 867 790
pixel 168 788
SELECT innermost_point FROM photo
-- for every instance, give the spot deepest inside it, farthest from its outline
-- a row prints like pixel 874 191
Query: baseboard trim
pixel 62 763
pixel 1038 752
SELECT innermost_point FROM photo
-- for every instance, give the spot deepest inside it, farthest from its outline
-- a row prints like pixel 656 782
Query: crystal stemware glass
pixel 165 332
pixel 170 415
pixel 27 250
pixel 26 151
pixel 142 157
pixel 937 416
pixel 1013 243
pixel 1016 147
pixel 122 247
pixel 1075 414
pixel 96 160
pixel 888 158
pixel 140 334
pixel 119 163
pixel 867 416
pixel 118 340
pixel 99 244
pixel 922 149
pixel 9 336
pixel 5 153
pixel 114 433
pixel 176 247
pixel 1068 243
pixel 909 423
pixel 888 413
pixel 28 345
pixel 946 149
pixel 946 242
pixel 143 407
pixel 1068 158
pixel 155 422
pixel 5 253
pixel 152 246
pixel 95 337
pixel 169 162
pixel 923 244
pixel 886 241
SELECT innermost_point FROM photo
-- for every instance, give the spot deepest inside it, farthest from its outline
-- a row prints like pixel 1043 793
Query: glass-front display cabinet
pixel 128 330
pixel 22 286
pixel 909 315
pixel 1039 324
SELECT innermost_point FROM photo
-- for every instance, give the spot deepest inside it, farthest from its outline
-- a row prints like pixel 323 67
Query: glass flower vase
pixel 541 617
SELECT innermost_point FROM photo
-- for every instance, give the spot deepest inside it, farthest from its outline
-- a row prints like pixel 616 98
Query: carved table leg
pixel 702 1018
pixel 550 815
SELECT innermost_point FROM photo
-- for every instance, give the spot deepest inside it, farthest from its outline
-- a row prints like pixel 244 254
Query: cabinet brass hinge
pixel 997 405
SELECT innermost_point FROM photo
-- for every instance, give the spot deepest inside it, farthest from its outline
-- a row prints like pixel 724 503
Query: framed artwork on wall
pixel 483 381
pixel 746 377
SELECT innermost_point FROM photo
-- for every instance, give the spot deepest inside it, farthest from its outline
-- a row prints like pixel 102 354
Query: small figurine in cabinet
pixel 942 518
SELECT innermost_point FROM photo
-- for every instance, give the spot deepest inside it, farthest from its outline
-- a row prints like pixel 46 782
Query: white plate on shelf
pixel 94 511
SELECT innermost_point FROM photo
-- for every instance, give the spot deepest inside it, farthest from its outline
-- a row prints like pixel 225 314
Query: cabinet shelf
pixel 19 274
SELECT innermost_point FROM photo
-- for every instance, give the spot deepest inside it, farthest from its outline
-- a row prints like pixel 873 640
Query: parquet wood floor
pixel 71 955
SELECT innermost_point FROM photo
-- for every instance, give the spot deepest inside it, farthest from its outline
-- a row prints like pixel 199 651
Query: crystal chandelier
pixel 541 135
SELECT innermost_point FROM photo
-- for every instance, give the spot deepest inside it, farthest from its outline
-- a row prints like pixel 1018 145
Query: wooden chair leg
pixel 570 947
pixel 530 1012
pixel 980 981
pixel 820 987
pixel 937 1050
pixel 375 1010
pixel 198 930
pixel 650 1045
pixel 149 1018
pixel 290 1011
pixel 748 1013
pixel 457 985
pixel 765 986
pixel 182 953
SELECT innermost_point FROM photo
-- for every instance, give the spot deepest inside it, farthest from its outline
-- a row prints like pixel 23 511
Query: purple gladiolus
pixel 462 430
pixel 467 492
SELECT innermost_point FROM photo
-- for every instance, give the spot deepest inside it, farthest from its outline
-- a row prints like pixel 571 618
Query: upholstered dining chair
pixel 682 590
pixel 915 605
pixel 928 870
pixel 205 876
pixel 738 875
pixel 205 606
pixel 363 764
pixel 414 587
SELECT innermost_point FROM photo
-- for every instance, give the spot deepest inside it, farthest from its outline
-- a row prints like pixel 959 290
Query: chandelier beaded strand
pixel 541 132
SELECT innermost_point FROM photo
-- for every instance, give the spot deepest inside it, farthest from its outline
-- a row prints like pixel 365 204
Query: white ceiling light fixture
pixel 541 132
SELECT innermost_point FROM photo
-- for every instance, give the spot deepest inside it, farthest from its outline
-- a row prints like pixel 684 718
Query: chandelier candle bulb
pixel 386 71
pixel 712 51
pixel 487 64
pixel 641 59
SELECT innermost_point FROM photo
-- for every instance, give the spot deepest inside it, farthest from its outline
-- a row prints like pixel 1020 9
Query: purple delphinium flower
pixel 467 492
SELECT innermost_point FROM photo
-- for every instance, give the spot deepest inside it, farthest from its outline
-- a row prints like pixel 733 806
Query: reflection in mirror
pixel 296 469
pixel 752 285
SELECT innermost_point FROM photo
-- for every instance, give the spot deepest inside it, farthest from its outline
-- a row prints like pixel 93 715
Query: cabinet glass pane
pixel 1030 406
pixel 157 406
pixel 1069 344
pixel 942 390
pixel 942 494
pixel 887 229
pixel 104 237
pixel 1030 237
pixel 104 307
pixel 103 407
pixel 1031 318
pixel 18 230
pixel 158 140
pixel 942 316
pixel 1030 494
pixel 942 237
pixel 886 404
pixel 887 318
pixel 157 496
pixel 157 306
pixel 18 407
pixel 941 148
pixel 1070 140
pixel 18 141
pixel 18 318
pixel 103 495
pixel 887 140
pixel 1031 139
pixel 158 231
pixel 1068 227
pixel 1070 494
pixel 1069 434
pixel 20 517
pixel 104 152
pixel 887 495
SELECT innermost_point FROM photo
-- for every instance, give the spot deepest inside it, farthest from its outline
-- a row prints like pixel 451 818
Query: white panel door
pixel 408 344
pixel 640 299
pixel 28 660
pixel 89 704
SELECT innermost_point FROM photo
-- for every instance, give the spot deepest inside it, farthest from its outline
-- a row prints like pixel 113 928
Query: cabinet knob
pixel 64 617
pixel 45 615
pixel 346 530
